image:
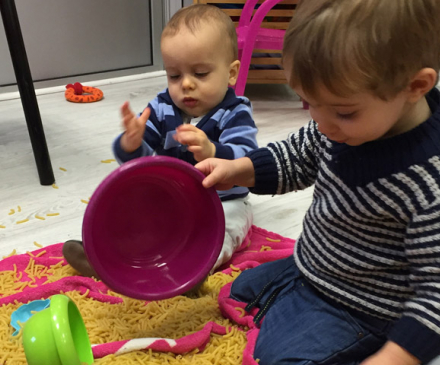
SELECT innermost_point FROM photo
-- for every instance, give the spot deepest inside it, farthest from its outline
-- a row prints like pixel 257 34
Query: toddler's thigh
pixel 303 329
pixel 266 277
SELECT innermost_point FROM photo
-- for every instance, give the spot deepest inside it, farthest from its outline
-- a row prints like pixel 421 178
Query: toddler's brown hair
pixel 351 46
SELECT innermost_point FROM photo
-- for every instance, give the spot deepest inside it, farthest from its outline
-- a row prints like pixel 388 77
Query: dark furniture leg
pixel 27 91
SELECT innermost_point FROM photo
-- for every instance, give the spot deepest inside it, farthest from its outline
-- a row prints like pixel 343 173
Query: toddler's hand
pixel 134 127
pixel 197 141
pixel 224 174
pixel 391 354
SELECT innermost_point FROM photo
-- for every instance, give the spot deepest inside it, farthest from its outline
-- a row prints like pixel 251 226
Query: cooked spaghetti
pixel 105 322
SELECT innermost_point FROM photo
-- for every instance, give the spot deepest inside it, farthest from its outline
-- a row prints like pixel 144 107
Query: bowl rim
pixel 62 333
pixel 125 168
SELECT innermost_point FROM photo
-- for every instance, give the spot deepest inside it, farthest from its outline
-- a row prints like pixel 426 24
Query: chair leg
pixel 240 86
pixel 241 81
pixel 27 91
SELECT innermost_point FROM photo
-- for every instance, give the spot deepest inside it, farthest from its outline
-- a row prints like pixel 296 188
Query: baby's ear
pixel 422 82
pixel 234 69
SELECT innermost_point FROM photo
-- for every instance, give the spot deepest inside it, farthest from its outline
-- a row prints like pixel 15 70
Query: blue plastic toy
pixel 23 313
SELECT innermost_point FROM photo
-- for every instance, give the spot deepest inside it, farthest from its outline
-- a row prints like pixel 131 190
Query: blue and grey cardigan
pixel 229 126
pixel 371 237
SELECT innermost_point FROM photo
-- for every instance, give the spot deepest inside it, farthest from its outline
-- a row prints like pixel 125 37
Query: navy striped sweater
pixel 371 237
pixel 229 126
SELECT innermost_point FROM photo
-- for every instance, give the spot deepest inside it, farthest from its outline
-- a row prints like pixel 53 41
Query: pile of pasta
pixel 130 319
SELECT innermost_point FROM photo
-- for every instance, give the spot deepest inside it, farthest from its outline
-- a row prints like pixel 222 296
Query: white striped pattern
pixel 374 247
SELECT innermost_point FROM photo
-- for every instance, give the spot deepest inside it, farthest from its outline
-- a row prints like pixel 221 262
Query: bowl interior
pixel 151 230
pixel 79 334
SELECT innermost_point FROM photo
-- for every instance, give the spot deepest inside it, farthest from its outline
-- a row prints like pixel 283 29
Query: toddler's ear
pixel 234 68
pixel 421 84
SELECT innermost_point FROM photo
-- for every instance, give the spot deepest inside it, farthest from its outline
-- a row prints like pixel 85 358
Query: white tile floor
pixel 79 137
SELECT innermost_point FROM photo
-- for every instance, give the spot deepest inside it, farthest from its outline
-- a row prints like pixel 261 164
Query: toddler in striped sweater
pixel 363 284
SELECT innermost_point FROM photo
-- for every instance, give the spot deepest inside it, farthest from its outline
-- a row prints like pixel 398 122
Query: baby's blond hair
pixel 194 16
pixel 352 46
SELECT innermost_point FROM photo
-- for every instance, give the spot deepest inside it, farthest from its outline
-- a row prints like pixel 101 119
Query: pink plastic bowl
pixel 151 230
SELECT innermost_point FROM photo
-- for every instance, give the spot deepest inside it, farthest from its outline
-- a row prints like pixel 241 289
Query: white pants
pixel 239 219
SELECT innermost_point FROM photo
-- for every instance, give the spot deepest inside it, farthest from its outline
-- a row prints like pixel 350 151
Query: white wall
pixel 171 6
pixel 66 38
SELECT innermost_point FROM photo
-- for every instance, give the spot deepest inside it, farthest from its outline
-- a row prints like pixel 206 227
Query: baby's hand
pixel 197 141
pixel 134 127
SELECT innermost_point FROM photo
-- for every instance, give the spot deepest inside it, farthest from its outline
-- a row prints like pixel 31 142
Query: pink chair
pixel 251 36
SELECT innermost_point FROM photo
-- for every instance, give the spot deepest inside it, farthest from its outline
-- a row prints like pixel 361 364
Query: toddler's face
pixel 359 118
pixel 198 68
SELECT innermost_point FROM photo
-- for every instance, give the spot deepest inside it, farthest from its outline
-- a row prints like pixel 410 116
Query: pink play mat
pixel 203 329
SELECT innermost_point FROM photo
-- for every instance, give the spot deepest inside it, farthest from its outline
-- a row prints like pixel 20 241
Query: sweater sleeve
pixel 238 133
pixel 288 165
pixel 418 330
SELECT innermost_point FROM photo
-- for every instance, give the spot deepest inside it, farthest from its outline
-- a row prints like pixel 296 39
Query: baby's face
pixel 358 118
pixel 198 68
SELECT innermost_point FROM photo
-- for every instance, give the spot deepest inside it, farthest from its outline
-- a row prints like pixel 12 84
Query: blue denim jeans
pixel 300 326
